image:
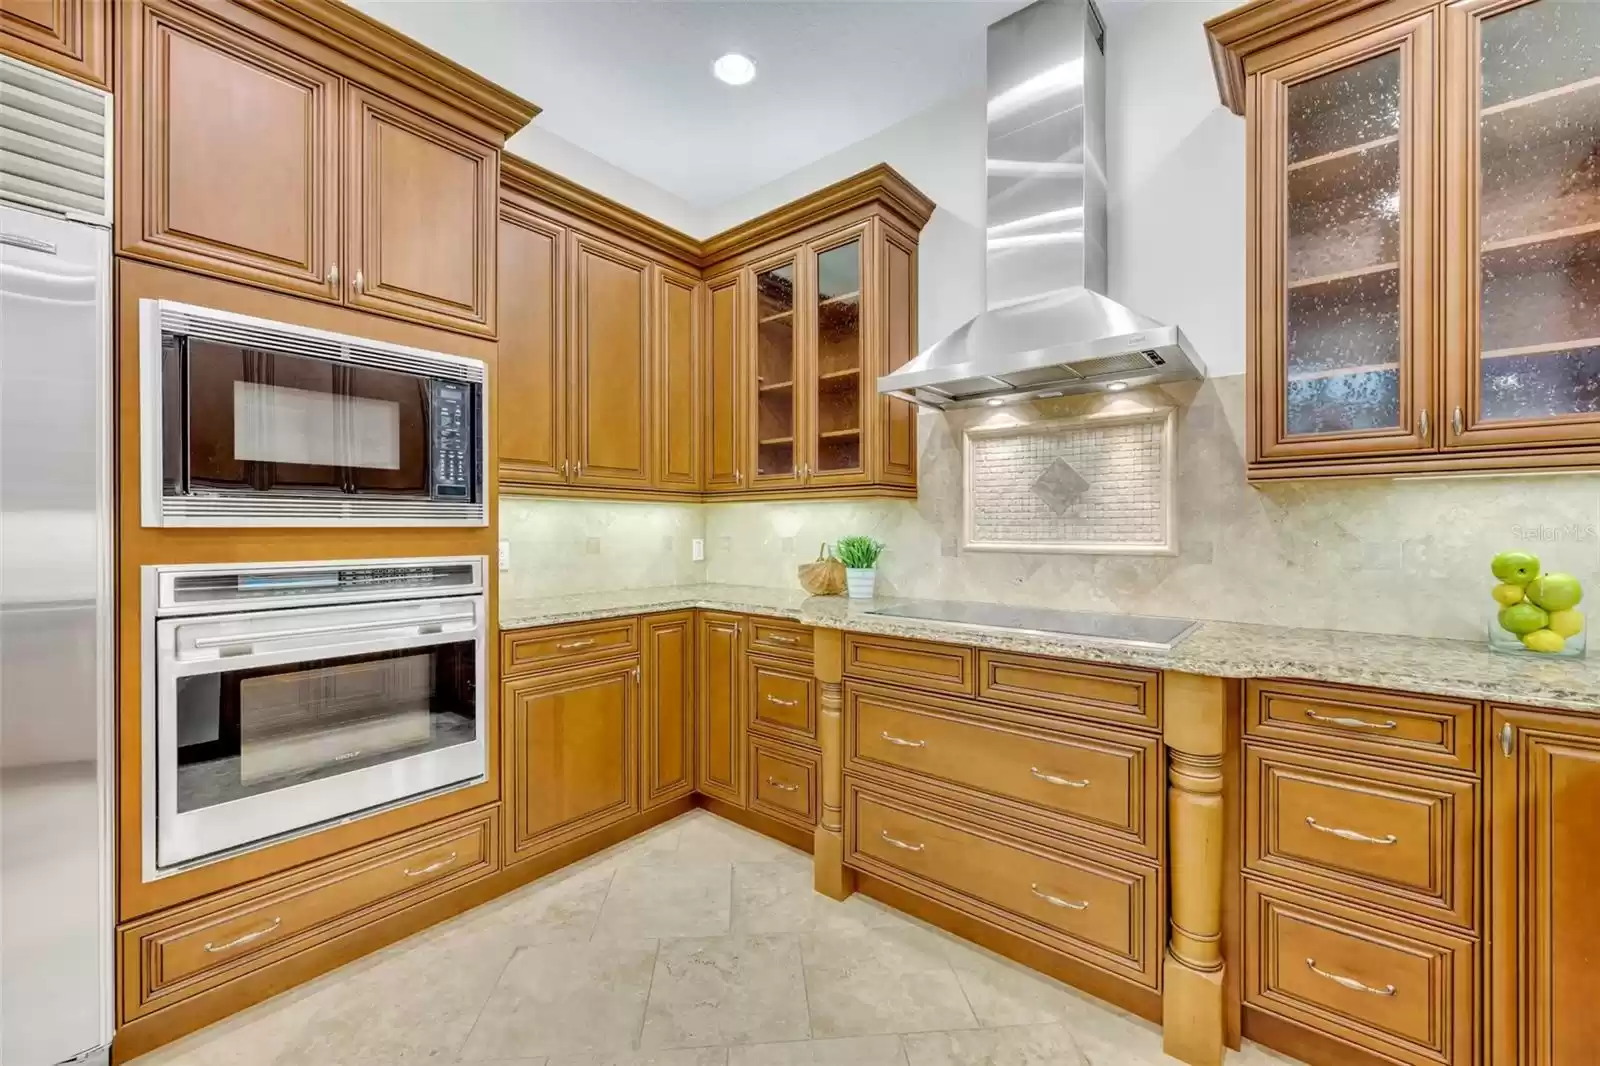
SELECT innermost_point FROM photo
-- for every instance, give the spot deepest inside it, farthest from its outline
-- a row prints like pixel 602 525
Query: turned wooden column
pixel 1194 713
pixel 831 876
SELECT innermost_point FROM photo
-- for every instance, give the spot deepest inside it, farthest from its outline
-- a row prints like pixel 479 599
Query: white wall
pixel 589 170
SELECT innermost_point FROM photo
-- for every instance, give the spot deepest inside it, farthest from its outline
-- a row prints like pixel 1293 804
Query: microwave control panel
pixel 453 456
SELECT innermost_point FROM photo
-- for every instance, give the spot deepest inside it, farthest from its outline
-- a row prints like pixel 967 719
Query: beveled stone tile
pixel 559 999
pixel 778 897
pixel 892 980
pixel 842 1051
pixel 726 990
pixel 670 900
pixel 1023 1045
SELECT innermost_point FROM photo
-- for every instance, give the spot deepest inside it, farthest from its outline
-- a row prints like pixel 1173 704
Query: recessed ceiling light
pixel 734 69
pixel 996 402
pixel 1116 386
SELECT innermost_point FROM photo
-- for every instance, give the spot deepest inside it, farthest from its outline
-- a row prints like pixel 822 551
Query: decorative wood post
pixel 1195 730
pixel 830 876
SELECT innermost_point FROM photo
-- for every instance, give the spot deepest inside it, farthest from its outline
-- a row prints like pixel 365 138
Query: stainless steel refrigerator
pixel 56 579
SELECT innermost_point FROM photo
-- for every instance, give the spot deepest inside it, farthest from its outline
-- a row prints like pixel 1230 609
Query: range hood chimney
pixel 1049 329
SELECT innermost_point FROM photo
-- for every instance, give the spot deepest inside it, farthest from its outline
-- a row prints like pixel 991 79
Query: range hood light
pixel 1116 386
pixel 996 402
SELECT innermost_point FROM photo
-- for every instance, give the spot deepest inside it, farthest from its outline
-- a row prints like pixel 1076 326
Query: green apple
pixel 1555 592
pixel 1569 623
pixel 1544 640
pixel 1506 593
pixel 1523 618
pixel 1518 568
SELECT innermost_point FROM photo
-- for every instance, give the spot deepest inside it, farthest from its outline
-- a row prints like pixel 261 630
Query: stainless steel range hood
pixel 1049 329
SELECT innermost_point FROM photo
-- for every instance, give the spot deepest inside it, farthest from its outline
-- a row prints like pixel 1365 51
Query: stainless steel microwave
pixel 248 422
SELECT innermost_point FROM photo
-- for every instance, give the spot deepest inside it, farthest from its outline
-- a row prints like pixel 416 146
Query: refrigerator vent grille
pixel 55 143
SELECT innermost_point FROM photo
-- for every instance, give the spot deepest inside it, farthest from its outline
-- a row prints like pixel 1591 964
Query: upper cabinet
pixel 71 37
pixel 1420 281
pixel 258 146
pixel 776 386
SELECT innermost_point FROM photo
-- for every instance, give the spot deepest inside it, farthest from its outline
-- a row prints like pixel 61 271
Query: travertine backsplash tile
pixel 1368 555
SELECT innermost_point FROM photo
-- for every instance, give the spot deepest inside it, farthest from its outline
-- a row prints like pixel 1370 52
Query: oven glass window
pixel 248 732
pixel 263 420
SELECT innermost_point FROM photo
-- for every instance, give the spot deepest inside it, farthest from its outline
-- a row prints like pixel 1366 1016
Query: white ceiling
pixel 630 80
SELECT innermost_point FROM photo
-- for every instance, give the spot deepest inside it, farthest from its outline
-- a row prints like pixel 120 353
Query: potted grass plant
pixel 860 558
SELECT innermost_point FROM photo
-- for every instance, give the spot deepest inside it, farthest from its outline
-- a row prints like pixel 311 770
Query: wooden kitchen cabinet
pixel 668 742
pixel 720 647
pixel 420 210
pixel 71 37
pixel 675 391
pixel 1544 789
pixel 726 450
pixel 836 372
pixel 610 321
pixel 777 429
pixel 531 358
pixel 571 751
pixel 1424 234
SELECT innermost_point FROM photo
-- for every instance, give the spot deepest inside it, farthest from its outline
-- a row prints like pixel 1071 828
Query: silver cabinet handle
pixel 569 645
pixel 1054 780
pixel 779 638
pixel 780 786
pixel 1422 423
pixel 247 639
pixel 360 283
pixel 1347 723
pixel 333 274
pixel 902 742
pixel 1349 982
pixel 1508 740
pixel 247 938
pixel 1351 834
pixel 433 867
pixel 782 703
pixel 884 833
pixel 1458 422
pixel 1057 901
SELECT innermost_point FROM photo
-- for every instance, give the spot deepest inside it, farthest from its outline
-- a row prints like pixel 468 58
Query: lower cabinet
pixel 783 782
pixel 1544 938
pixel 720 772
pixel 667 751
pixel 571 738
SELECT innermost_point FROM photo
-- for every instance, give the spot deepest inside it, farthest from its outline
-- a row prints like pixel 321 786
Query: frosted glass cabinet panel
pixel 1524 251
pixel 1345 344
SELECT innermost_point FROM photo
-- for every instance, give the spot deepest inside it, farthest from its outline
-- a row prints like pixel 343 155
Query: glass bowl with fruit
pixel 1534 612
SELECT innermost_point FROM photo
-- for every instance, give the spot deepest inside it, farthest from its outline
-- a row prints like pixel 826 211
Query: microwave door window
pixel 386 431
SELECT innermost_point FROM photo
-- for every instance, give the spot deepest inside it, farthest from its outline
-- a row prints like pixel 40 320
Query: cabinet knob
pixel 333 274
pixel 1458 422
pixel 738 477
pixel 359 282
pixel 1422 423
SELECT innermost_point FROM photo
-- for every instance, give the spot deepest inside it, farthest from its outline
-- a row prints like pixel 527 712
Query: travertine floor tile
pixel 1023 1045
pixel 714 838
pixel 777 897
pixel 696 1056
pixel 843 1051
pixel 674 900
pixel 891 980
pixel 726 990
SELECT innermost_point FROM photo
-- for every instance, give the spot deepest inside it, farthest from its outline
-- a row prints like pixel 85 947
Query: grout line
pixel 478 1016
pixel 644 1015
pixel 601 909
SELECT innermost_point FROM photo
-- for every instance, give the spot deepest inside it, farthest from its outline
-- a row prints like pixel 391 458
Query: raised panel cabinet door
pixel 610 323
pixel 1543 929
pixel 896 430
pixel 421 208
pixel 774 390
pixel 1522 210
pixel 669 707
pixel 675 385
pixel 229 154
pixel 725 406
pixel 838 354
pixel 71 37
pixel 1343 354
pixel 531 360
pixel 571 753
pixel 720 771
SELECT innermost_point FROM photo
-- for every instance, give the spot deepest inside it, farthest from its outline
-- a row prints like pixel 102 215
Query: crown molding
pixel 551 188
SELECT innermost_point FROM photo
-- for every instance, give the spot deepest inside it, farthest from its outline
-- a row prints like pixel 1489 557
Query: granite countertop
pixel 1460 668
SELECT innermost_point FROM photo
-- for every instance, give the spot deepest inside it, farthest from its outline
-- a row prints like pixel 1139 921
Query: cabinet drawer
pixel 912 663
pixel 1112 693
pixel 1092 905
pixel 783 782
pixel 777 638
pixel 525 651
pixel 1389 725
pixel 781 700
pixel 1390 837
pixel 181 954
pixel 1394 988
pixel 1095 780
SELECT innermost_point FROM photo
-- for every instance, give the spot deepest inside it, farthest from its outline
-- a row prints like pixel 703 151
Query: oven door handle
pixel 317 631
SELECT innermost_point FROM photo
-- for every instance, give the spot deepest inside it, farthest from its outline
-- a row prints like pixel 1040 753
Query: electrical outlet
pixel 505 556
pixel 697 550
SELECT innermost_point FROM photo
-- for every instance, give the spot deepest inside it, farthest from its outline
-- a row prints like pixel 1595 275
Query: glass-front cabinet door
pixel 1345 348
pixel 1522 217
pixel 838 371
pixel 776 425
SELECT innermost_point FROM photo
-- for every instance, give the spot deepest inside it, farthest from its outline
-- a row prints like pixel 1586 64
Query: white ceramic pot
pixel 860 582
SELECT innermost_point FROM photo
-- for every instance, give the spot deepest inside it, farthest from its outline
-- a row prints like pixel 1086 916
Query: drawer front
pixel 1401 990
pixel 1111 693
pixel 1089 905
pixel 180 955
pixel 529 650
pixel 1096 779
pixel 781 700
pixel 783 783
pixel 1390 837
pixel 777 638
pixel 913 663
pixel 1388 725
